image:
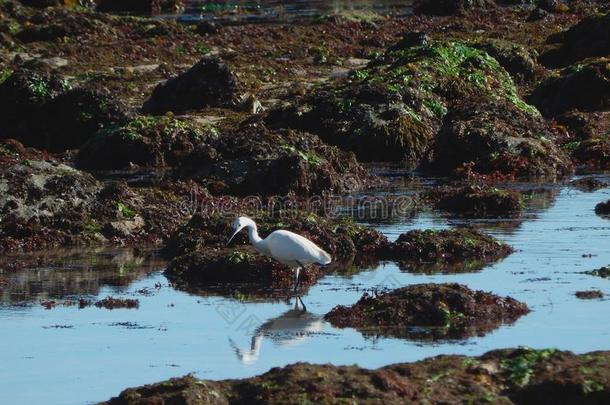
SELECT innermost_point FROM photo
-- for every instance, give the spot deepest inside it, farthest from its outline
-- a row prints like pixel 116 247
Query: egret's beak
pixel 236 232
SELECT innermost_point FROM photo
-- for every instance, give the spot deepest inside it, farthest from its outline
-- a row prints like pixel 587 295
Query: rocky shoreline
pixel 116 129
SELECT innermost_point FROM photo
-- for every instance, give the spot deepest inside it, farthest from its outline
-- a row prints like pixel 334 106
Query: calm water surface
pixel 68 355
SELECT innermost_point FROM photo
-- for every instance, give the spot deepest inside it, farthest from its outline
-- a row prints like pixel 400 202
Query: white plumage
pixel 286 247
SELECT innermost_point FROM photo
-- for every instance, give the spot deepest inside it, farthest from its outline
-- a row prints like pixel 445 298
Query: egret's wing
pixel 288 246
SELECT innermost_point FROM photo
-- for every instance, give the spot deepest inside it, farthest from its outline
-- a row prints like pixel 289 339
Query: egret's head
pixel 239 224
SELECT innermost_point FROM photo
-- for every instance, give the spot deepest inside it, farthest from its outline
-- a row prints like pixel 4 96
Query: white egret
pixel 286 247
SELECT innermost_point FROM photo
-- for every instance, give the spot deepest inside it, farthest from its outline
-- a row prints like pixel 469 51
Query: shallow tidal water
pixel 68 355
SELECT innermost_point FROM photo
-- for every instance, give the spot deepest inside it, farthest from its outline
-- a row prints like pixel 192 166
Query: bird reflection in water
pixel 288 329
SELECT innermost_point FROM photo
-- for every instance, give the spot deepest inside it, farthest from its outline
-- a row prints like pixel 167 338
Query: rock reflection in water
pixel 79 274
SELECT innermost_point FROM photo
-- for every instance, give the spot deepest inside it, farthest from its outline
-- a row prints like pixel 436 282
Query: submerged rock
pixel 589 184
pixel 476 200
pixel 524 376
pixel 452 311
pixel 209 83
pixel 603 208
pixel 449 246
pixel 589 294
pixel 603 272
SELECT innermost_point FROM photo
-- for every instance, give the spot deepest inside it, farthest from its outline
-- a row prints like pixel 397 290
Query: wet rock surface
pixel 509 376
pixel 451 311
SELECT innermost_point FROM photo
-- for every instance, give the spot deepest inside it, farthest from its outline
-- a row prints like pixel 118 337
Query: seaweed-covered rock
pixel 594 152
pixel 518 61
pixel 584 86
pixel 392 109
pixel 73 117
pixel 231 271
pixel 524 376
pixel 495 136
pixel 451 7
pixel 42 111
pixel 24 95
pixel 209 83
pixel 250 160
pixel 453 310
pixel 590 37
pixel 144 141
pixel 452 245
pixel 603 208
pixel 253 160
pixel 476 200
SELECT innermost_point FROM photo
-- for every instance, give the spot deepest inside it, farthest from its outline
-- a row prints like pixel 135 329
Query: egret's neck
pixel 255 240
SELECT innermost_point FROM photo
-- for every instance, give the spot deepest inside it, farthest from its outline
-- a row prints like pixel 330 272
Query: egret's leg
pixel 297 279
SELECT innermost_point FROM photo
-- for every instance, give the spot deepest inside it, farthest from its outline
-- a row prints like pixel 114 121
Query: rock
pixel 507 376
pixel 451 7
pixel 518 61
pixel 589 38
pixel 448 246
pixel 139 6
pixel 495 136
pixel 253 160
pixel 228 271
pixel 589 295
pixel 451 311
pixel 144 141
pixel 589 184
pixel 476 200
pixel 603 272
pixel 583 86
pixel 603 208
pixel 209 83
pixel 115 303
pixel 207 28
pixel 74 117
pixel 594 153
pixel 125 228
pixel 43 204
pixel 23 95
pixel 538 14
pixel 389 111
